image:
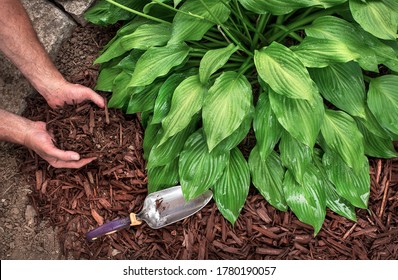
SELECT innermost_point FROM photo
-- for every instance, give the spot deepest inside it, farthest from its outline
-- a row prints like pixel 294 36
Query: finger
pixel 95 97
pixel 61 155
pixel 71 164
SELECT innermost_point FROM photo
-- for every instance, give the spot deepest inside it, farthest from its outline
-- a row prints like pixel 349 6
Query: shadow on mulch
pixel 114 185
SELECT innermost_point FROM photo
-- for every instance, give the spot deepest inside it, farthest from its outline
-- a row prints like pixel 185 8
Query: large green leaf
pixel 150 137
pixel 383 101
pixel 353 186
pixel 343 85
pixel 373 125
pixel 334 201
pixel 163 153
pixel 281 7
pixel 227 104
pixel 186 102
pixel 104 13
pixel 163 101
pixel 157 62
pixel 340 30
pixel 315 52
pixel 127 28
pixel 214 60
pixel 267 129
pixel 129 62
pixel 144 37
pixel 295 155
pixel 279 67
pixel 267 176
pixel 237 136
pixel 337 203
pixel 112 69
pixel 307 200
pixel 162 177
pixel 384 50
pixel 231 189
pixel 199 169
pixel 376 146
pixel 299 117
pixel 106 78
pixel 144 100
pixel 120 92
pixel 392 4
pixel 343 137
pixel 376 18
pixel 266 6
pixel 197 19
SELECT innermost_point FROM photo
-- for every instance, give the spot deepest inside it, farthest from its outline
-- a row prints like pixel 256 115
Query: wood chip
pixel 97 217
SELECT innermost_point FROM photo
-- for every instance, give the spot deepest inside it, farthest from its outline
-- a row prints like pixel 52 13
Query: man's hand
pixel 39 140
pixel 19 42
pixel 64 92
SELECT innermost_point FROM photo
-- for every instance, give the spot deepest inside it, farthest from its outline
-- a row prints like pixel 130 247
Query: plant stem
pixel 367 78
pixel 261 23
pixel 179 11
pixel 243 20
pixel 291 33
pixel 222 43
pixel 226 30
pixel 137 12
pixel 246 65
pixel 300 23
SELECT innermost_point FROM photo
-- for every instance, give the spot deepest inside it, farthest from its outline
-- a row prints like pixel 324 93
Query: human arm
pixel 19 42
pixel 34 135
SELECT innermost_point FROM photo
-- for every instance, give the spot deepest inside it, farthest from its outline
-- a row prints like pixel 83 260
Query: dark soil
pixel 115 184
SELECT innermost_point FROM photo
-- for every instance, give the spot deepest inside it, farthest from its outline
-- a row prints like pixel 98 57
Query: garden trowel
pixel 160 209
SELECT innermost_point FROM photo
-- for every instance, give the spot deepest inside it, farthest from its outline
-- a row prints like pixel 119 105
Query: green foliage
pixel 316 80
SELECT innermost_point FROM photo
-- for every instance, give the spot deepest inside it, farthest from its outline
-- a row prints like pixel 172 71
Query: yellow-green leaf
pixel 307 200
pixel 342 136
pixel 267 176
pixel 197 19
pixel 231 189
pixel 318 53
pixel 353 186
pixel 199 169
pixel 157 62
pixel 299 117
pixel 214 60
pixel 266 126
pixel 342 84
pixel 186 102
pixel 283 71
pixel 376 18
pixel 383 101
pixel 227 104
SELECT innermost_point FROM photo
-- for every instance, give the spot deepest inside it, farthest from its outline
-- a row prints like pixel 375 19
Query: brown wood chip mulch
pixel 79 200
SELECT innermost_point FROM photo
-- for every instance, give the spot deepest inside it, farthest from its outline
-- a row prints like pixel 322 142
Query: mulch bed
pixel 114 185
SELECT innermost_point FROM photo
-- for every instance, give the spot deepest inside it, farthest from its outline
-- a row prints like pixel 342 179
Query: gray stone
pixel 52 27
pixel 76 8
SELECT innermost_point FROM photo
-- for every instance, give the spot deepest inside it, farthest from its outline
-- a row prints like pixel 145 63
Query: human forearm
pixel 13 128
pixel 35 136
pixel 19 42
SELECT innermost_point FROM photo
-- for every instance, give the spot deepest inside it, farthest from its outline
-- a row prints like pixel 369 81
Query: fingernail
pixel 75 157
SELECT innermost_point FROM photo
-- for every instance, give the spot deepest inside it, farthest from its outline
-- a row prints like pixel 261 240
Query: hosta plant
pixel 315 81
